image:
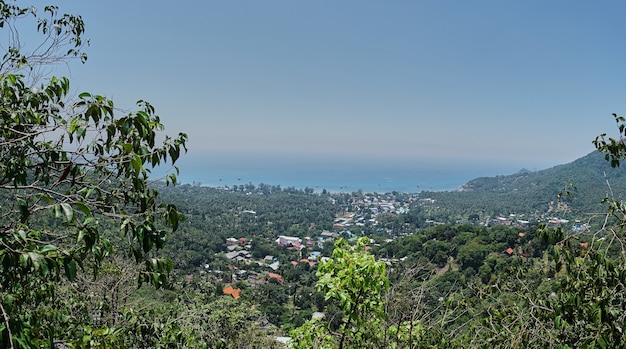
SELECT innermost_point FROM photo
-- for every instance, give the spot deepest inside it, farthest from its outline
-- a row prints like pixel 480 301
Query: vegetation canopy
pixel 67 167
pixel 509 262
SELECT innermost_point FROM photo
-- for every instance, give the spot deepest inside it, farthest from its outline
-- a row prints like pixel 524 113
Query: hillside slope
pixel 591 176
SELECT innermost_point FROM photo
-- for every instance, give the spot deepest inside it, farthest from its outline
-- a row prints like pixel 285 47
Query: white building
pixel 288 241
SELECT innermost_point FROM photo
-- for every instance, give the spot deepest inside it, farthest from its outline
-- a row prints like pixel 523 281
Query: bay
pixel 335 174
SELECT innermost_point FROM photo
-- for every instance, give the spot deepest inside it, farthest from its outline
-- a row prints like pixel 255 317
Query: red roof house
pixel 234 292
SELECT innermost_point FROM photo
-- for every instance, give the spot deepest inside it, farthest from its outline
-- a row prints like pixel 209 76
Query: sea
pixel 336 174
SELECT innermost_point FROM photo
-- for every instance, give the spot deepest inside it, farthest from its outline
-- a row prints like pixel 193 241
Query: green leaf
pixel 46 198
pixel 70 268
pixel 34 258
pixel 24 212
pixel 44 267
pixel 601 343
pixel 22 234
pixel 81 206
pixel 80 132
pixel 136 162
pixel 128 147
pixel 80 236
pixel 23 343
pixel 47 248
pixel 67 211
pixel 24 260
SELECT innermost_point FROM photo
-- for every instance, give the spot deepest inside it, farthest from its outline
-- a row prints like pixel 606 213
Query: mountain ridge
pixel 589 179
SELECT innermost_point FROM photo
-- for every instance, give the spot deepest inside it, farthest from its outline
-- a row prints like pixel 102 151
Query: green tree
pixel 196 322
pixel 586 307
pixel 589 310
pixel 473 254
pixel 357 283
pixel 68 166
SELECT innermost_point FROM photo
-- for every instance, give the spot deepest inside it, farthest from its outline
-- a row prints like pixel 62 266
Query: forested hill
pixel 536 192
pixel 588 171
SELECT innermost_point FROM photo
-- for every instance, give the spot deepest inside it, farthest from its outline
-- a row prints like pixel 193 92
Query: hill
pixel 589 179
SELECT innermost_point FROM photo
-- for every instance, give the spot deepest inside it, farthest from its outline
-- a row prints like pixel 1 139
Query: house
pixel 310 263
pixel 268 259
pixel 288 241
pixel 242 274
pixel 502 220
pixel 295 246
pixel 232 241
pixel 234 292
pixel 315 255
pixel 329 234
pixel 283 340
pixel 232 255
pixel 255 281
pixel 274 266
pixel 238 255
pixel 555 222
pixel 277 277
pixel 317 315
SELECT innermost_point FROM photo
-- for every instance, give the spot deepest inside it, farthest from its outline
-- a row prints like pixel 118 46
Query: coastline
pixel 333 174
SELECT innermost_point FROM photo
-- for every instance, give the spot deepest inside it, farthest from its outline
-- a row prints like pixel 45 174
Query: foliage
pixel 76 203
pixel 585 307
pixel 357 282
pixel 66 168
pixel 536 194
pixel 589 307
pixel 196 323
pixel 614 149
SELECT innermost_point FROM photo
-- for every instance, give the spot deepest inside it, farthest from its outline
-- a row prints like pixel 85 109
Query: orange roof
pixel 294 263
pixel 235 292
pixel 584 245
pixel 509 251
pixel 521 234
pixel 275 276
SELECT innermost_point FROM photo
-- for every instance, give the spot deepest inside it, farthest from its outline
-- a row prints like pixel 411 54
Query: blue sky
pixel 505 83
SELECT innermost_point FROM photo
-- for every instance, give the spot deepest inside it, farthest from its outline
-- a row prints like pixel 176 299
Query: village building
pixel 276 277
pixel 231 291
pixel 288 241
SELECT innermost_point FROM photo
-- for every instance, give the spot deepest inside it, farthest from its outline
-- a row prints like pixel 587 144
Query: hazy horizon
pixel 337 173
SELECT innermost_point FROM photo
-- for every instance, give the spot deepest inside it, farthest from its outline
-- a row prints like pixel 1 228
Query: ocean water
pixel 334 174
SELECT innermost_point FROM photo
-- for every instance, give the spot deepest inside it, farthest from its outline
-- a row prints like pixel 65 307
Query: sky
pixel 516 84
